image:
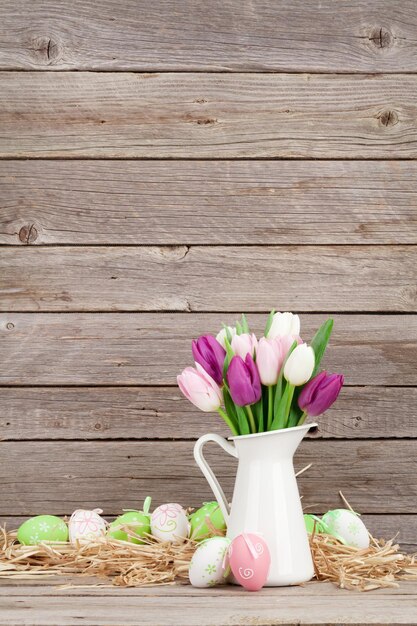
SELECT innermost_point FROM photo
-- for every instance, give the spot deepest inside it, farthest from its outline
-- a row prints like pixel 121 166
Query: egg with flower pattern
pixel 208 564
pixel 347 526
pixel 169 523
pixel 42 528
pixel 86 525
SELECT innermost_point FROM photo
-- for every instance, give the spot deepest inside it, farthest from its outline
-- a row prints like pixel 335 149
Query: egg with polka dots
pixel 206 521
pixel 42 528
pixel 348 526
pixel 208 564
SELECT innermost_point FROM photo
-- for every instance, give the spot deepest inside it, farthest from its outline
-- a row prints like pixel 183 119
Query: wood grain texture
pixel 221 35
pixel 136 349
pixel 311 605
pixel 171 115
pixel 207 202
pixel 58 477
pixel 309 278
pixel 163 413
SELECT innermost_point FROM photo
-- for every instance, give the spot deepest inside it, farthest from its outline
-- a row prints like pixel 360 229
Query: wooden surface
pixel 164 166
pixel 90 413
pixel 105 474
pixel 377 36
pixel 207 115
pixel 207 202
pixel 157 278
pixel 47 604
pixel 149 349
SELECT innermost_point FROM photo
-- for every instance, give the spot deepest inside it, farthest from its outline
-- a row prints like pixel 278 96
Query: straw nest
pixel 156 563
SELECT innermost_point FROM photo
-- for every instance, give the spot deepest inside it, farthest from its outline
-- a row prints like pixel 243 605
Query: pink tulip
pixel 244 344
pixel 200 389
pixel 268 360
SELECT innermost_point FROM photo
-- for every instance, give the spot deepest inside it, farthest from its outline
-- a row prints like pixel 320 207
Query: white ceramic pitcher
pixel 265 498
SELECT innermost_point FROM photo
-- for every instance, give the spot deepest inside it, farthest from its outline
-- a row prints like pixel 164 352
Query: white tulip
pixel 300 365
pixel 284 324
pixel 221 336
pixel 244 344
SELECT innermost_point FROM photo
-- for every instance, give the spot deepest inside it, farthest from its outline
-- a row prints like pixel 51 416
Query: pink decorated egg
pixel 249 560
pixel 86 526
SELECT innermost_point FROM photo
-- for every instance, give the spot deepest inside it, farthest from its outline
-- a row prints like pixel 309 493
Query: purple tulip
pixel 320 393
pixel 244 382
pixel 210 355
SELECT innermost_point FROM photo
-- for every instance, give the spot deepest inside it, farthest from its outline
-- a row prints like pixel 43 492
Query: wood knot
pixel 206 120
pixel 28 234
pixel 388 118
pixel 381 38
pixel 48 50
pixel 9 325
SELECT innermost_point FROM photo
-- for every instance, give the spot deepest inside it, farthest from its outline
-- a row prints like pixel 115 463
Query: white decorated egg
pixel 347 526
pixel 86 525
pixel 169 522
pixel 207 567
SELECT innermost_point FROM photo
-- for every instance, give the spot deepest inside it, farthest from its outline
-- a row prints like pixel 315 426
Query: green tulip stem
pixel 251 419
pixel 228 421
pixel 291 389
pixel 302 419
pixel 270 406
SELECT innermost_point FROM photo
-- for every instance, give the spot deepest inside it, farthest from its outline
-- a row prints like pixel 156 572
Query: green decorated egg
pixel 42 528
pixel 130 523
pixel 348 527
pixel 314 524
pixel 204 519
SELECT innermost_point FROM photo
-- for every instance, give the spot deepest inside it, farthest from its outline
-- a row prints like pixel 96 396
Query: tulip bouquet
pixel 258 386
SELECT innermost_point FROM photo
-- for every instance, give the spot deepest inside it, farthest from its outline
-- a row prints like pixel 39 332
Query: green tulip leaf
pixel 242 421
pixel 319 343
pixel 245 325
pixel 269 322
pixel 230 406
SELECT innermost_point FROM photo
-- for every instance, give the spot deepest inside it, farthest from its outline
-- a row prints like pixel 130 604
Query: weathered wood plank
pixel 383 526
pixel 70 586
pixel 221 35
pixel 182 278
pixel 207 202
pixel 207 115
pixel 223 610
pixel 57 477
pixel 163 412
pixel 136 349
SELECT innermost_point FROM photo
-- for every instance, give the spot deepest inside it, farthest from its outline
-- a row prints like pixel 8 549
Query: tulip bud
pixel 243 380
pixel 244 344
pixel 221 336
pixel 284 324
pixel 299 365
pixel 210 355
pixel 320 393
pixel 200 389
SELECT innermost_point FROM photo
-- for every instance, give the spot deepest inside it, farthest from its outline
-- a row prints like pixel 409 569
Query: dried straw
pixel 162 563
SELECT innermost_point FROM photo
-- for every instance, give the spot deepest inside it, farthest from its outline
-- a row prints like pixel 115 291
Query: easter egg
pixel 207 566
pixel 42 528
pixel 249 560
pixel 169 523
pixel 130 526
pixel 204 519
pixel 314 524
pixel 86 525
pixel 346 525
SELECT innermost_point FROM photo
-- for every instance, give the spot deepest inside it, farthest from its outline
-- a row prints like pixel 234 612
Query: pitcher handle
pixel 208 472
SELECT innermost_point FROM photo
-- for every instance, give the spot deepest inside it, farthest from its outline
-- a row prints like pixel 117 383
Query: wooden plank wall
pixel 164 166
